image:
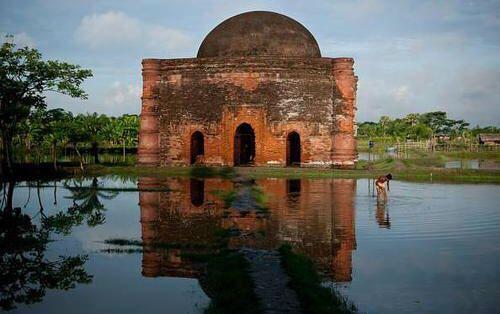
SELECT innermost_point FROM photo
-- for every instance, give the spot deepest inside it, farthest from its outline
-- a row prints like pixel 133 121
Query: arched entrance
pixel 244 145
pixel 197 146
pixel 293 149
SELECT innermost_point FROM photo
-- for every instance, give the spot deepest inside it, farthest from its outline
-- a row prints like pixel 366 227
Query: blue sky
pixel 411 56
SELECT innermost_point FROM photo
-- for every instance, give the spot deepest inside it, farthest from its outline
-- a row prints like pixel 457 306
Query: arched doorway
pixel 197 146
pixel 293 149
pixel 244 145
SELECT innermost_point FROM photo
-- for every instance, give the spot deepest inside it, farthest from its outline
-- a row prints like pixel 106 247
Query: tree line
pixel 27 126
pixel 421 126
pixel 49 132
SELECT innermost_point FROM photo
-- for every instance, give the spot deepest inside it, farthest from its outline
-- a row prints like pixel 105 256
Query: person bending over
pixel 380 184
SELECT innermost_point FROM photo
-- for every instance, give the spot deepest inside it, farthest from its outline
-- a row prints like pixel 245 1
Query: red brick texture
pixel 314 97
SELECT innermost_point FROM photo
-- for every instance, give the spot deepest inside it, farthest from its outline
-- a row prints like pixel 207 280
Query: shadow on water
pixel 26 271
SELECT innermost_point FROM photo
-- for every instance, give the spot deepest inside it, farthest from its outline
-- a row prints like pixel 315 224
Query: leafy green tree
pixel 24 80
pixel 77 135
pixel 436 120
pixel 412 118
pixel 94 126
pixel 384 122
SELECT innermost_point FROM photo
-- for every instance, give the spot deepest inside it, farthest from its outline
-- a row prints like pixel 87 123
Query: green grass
pixel 314 298
pixel 260 197
pixel 218 243
pixel 420 167
pixel 228 196
pixel 230 286
pixel 123 242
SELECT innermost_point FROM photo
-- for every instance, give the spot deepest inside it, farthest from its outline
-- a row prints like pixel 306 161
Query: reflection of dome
pixel 259 33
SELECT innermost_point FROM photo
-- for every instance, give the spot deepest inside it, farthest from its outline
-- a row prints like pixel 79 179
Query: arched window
pixel 244 145
pixel 197 146
pixel 293 149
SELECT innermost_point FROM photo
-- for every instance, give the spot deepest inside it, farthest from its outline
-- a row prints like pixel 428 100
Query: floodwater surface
pixel 430 248
pixel 472 164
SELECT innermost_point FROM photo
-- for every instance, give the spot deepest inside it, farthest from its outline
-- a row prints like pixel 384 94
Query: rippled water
pixel 430 248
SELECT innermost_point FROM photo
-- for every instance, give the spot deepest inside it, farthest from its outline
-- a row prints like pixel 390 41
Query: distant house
pixel 489 139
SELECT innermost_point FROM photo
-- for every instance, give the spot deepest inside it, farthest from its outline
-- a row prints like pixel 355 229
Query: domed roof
pixel 259 33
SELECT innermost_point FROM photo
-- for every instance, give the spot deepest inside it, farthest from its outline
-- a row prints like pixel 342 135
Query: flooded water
pixel 472 164
pixel 430 248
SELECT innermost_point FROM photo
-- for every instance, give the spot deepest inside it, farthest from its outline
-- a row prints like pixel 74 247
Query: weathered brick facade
pixel 274 94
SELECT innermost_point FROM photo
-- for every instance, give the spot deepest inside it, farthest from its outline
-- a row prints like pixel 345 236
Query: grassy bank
pixel 410 170
pixel 304 279
pixel 420 167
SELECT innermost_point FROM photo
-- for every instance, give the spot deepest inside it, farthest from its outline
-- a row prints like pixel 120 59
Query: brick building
pixel 258 93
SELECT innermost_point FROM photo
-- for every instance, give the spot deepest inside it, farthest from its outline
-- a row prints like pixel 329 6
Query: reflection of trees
pixel 86 205
pixel 25 272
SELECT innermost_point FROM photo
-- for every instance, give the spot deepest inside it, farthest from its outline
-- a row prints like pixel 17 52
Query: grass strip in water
pixel 122 251
pixel 314 298
pixel 228 196
pixel 230 286
pixel 123 242
pixel 162 245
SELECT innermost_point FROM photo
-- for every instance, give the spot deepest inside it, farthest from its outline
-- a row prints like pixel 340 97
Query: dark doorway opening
pixel 244 145
pixel 293 149
pixel 197 146
pixel 197 192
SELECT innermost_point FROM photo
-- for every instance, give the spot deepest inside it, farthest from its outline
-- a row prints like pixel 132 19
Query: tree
pixel 384 121
pixel 24 80
pixel 129 125
pixel 436 120
pixel 412 119
pixel 94 126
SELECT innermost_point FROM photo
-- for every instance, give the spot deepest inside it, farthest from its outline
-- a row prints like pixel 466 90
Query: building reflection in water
pixel 316 217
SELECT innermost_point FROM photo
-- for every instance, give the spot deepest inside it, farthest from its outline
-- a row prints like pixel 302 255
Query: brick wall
pixel 314 97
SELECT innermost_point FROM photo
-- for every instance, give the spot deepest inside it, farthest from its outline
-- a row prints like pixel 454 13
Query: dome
pixel 259 33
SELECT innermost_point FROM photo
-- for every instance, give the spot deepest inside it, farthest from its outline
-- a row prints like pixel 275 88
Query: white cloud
pixel 122 95
pixel 108 29
pixel 20 39
pixel 163 39
pixel 116 30
pixel 401 93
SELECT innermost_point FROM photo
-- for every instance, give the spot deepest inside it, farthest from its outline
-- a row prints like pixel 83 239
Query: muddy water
pixel 430 248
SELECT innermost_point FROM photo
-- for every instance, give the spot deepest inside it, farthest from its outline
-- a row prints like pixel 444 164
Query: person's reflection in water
pixel 382 215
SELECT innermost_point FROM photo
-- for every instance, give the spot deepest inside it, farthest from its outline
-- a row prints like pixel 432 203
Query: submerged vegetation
pixel 314 298
pixel 225 277
pixel 231 288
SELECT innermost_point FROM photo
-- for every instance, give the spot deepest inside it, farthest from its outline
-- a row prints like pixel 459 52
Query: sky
pixel 410 55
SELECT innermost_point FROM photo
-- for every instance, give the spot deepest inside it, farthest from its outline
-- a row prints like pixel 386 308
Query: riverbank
pixel 422 168
pixel 400 169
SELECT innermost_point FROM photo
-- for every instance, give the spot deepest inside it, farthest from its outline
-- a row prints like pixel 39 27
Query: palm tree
pixel 87 201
